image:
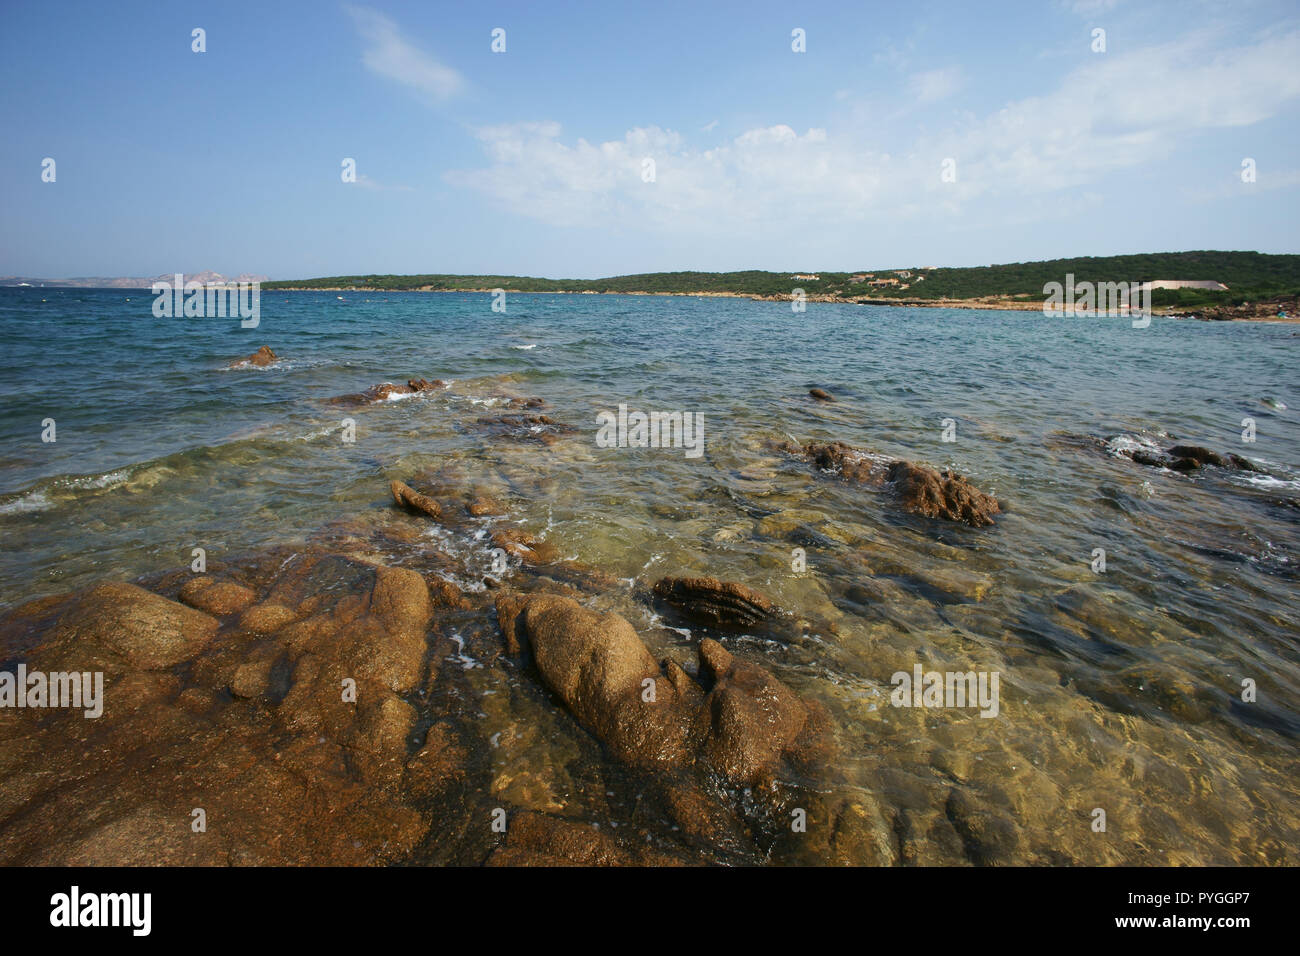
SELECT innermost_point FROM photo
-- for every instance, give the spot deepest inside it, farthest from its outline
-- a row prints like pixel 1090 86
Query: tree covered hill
pixel 1248 275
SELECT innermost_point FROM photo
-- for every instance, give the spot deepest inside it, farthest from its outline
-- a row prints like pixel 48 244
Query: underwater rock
pixel 387 390
pixel 410 499
pixel 724 605
pixel 921 490
pixel 533 429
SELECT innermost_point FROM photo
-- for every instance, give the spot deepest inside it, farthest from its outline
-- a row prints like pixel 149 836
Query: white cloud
pixel 933 85
pixel 1089 8
pixel 1117 111
pixel 390 55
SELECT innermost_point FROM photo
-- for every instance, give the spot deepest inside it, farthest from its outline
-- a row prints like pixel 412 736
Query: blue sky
pixel 531 161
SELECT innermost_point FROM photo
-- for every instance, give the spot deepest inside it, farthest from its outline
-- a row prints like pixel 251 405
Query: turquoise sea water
pixel 1120 689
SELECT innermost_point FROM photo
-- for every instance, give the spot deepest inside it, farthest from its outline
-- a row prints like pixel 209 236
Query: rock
pixel 741 730
pixel 266 617
pixel 509 606
pixel 535 839
pixel 922 490
pixel 942 495
pixel 253 730
pixel 847 461
pixel 482 505
pixel 261 358
pixel 526 547
pixel 252 679
pixel 597 665
pixel 410 499
pixel 724 605
pixel 535 429
pixel 437 764
pixel 387 390
pixel 146 630
pixel 987 837
pixel 748 720
pixel 1185 458
pixel 1198 455
pixel 821 395
pixel 217 597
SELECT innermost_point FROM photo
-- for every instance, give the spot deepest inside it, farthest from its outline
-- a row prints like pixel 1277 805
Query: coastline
pixel 983 304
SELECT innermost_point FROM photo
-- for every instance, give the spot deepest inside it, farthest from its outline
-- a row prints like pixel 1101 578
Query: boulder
pixel 261 358
pixel 944 495
pixel 142 628
pixel 217 597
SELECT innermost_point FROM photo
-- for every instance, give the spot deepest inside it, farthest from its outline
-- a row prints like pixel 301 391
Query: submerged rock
pixel 921 490
pixel 1182 458
pixel 410 499
pixel 724 605
pixel 519 427
pixel 537 839
pixel 387 390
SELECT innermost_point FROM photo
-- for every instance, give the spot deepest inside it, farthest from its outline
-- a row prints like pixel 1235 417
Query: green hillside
pixel 1248 275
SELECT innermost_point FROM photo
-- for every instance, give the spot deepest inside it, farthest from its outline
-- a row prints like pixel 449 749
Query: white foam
pixel 32 501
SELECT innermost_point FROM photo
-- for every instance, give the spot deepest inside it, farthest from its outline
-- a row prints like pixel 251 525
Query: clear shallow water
pixel 1119 690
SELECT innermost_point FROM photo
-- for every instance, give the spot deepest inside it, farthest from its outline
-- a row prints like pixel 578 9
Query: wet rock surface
pixel 943 494
pixel 920 490
pixel 385 391
pixel 724 605
pixel 259 359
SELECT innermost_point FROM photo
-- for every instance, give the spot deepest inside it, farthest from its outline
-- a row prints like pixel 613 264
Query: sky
pixel 613 138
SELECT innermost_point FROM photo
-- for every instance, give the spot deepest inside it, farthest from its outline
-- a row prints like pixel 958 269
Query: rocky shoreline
pixel 372 697
pixel 1266 311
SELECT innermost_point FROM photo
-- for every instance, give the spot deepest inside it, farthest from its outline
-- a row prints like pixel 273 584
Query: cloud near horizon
pixel 1118 111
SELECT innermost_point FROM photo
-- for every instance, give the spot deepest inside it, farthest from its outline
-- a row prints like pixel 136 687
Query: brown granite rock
pixel 144 629
pixel 944 495
pixel 410 499
pixel 217 597
pixel 261 358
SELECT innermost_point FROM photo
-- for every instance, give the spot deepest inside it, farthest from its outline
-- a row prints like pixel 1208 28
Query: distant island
pixel 1216 284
